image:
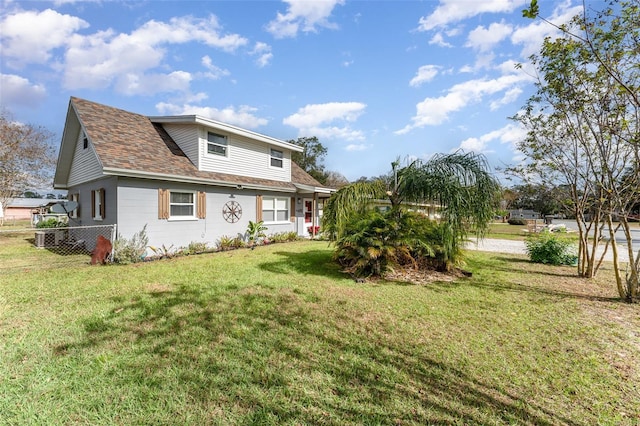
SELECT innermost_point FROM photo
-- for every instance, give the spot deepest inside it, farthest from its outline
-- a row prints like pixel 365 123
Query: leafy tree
pixel 336 180
pixel 583 127
pixel 26 157
pixel 537 197
pixel 31 194
pixel 312 158
pixel 459 184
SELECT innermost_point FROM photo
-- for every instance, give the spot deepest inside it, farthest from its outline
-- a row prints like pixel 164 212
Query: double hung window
pixel 276 158
pixel 216 144
pixel 275 209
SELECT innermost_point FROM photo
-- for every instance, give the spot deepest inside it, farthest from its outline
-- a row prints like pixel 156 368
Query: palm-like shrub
pixel 459 184
pixel 375 242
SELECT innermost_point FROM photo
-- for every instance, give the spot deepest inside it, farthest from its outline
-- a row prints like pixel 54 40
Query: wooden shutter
pixel 258 208
pixel 201 206
pixel 103 205
pixel 93 204
pixel 292 213
pixel 163 203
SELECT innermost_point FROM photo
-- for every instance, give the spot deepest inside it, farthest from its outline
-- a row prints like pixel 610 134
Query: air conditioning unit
pixel 45 239
pixel 49 238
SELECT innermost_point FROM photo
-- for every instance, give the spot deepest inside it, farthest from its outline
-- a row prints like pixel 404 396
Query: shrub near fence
pixel 42 248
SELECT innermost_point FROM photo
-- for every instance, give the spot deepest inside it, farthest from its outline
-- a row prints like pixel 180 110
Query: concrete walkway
pixel 518 247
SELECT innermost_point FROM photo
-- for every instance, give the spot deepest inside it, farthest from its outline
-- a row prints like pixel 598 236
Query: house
pixel 187 178
pixel 26 209
pixel 524 214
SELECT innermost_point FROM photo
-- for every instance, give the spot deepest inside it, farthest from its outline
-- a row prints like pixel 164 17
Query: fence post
pixel 113 240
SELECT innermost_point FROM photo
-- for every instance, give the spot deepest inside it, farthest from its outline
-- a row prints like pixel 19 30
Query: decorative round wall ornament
pixel 232 211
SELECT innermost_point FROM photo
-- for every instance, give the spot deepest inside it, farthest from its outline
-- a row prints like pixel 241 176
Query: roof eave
pixel 112 171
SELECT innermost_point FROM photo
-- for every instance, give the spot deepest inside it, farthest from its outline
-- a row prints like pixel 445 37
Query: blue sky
pixel 373 80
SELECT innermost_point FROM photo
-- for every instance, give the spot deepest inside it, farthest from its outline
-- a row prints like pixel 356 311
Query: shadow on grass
pixel 312 262
pixel 265 356
pixel 518 265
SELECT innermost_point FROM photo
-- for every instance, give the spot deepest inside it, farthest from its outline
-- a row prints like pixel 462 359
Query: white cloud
pixel 509 97
pixel 19 91
pixel 450 11
pixel 510 134
pixel 29 37
pixel 242 116
pixel 438 40
pixel 316 120
pixel 97 60
pixel 148 84
pixel 214 72
pixel 532 35
pixel 303 15
pixel 263 52
pixel 425 74
pixel 356 147
pixel 434 111
pixel 483 39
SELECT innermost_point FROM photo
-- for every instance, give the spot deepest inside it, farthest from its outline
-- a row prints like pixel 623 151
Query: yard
pixel 278 336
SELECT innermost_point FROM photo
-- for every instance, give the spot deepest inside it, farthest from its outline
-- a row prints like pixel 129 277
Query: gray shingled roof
pixel 129 141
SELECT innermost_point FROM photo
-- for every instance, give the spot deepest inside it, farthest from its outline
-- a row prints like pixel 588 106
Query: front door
pixel 308 215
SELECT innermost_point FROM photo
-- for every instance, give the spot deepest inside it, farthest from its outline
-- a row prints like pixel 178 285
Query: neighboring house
pixel 26 208
pixel 187 178
pixel 524 214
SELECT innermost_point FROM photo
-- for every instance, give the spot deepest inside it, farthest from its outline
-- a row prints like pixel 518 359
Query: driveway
pixel 518 247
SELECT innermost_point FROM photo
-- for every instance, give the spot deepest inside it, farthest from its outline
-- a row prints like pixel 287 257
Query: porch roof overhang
pixel 309 189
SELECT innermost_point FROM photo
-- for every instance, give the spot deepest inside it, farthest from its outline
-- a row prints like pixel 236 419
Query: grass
pixel 279 336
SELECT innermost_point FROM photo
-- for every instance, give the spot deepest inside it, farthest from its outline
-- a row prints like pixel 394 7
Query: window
pixel 275 209
pixel 85 143
pixel 181 204
pixel 73 214
pixel 276 158
pixel 98 204
pixel 216 144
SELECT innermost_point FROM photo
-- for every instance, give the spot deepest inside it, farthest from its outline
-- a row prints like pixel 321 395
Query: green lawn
pixel 278 336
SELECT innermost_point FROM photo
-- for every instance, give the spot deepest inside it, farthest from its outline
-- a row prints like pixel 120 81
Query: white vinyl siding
pixel 186 137
pixel 245 158
pixel 84 165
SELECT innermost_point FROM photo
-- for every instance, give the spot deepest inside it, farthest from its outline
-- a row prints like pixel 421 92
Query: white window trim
pixel 74 197
pixel 271 158
pixel 98 197
pixel 275 210
pixel 214 154
pixel 173 218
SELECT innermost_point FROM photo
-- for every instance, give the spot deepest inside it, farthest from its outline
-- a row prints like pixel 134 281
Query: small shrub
pixel 550 248
pixel 255 232
pixel 225 243
pixel 196 247
pixel 230 243
pixel 517 221
pixel 238 242
pixel 52 222
pixel 132 250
